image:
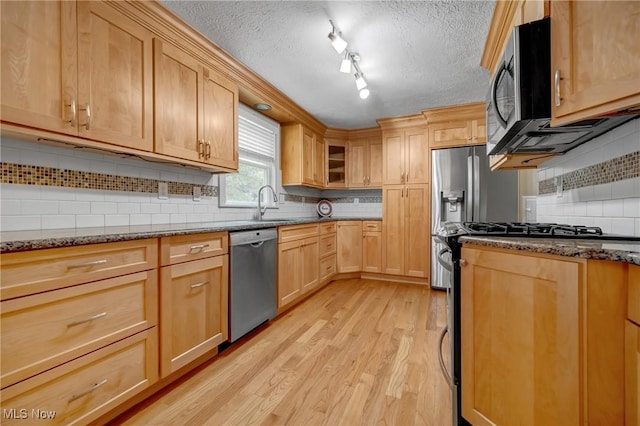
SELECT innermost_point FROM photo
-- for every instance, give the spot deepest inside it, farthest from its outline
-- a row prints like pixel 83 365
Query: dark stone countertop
pixel 619 251
pixel 13 241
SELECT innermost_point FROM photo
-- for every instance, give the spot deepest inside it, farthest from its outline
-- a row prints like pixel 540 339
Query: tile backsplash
pixel 595 184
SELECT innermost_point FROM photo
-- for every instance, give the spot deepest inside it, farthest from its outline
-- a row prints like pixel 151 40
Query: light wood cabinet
pixel 596 62
pixel 632 348
pixel 405 157
pixel 532 328
pixel 298 262
pixel 98 67
pixel 194 297
pixel 337 168
pixel 349 255
pixel 302 156
pixel 460 125
pixel 372 246
pixel 196 109
pixel 365 158
pixel 405 230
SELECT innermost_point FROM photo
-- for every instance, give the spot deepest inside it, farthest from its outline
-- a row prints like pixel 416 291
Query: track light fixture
pixel 349 61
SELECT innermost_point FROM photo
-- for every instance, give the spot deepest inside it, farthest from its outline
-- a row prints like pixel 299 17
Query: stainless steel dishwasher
pixel 253 280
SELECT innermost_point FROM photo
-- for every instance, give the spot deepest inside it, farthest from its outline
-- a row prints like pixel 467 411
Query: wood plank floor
pixel 359 352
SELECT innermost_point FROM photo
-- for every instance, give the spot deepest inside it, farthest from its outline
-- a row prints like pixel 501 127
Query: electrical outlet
pixel 559 186
pixel 163 191
pixel 356 201
pixel 197 193
pixel 281 197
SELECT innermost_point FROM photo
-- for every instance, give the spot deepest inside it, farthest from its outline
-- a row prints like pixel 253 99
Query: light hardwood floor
pixel 359 352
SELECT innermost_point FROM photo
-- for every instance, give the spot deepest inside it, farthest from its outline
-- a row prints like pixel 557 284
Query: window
pixel 258 138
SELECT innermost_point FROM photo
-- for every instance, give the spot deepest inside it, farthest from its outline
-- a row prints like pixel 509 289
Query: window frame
pixel 256 159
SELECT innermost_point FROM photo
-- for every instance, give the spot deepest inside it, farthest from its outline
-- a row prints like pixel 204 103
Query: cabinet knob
pixel 463 262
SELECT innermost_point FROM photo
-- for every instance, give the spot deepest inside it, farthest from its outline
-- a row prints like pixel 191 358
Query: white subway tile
pixel 89 195
pixel 42 159
pixel 11 207
pixel 580 209
pixel 57 193
pixel 75 207
pixel 150 208
pixel 140 219
pixel 584 194
pixel 602 192
pixel 157 219
pixel 613 208
pixel 631 207
pixel 20 192
pixel 168 208
pixel 594 208
pixel 128 208
pixel 603 222
pixel 207 217
pixel 119 196
pixel 178 218
pixel 59 222
pixel 89 220
pixel 623 188
pixel 20 223
pixel 580 221
pixel 127 170
pixel 624 145
pixel 10 155
pixel 101 207
pixel 71 163
pixel 623 226
pixel 637 221
pixel 103 167
pixel 116 220
pixel 194 217
pixel 40 207
pixel 147 173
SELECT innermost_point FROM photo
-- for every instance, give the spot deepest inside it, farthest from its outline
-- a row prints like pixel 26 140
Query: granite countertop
pixel 617 250
pixel 13 241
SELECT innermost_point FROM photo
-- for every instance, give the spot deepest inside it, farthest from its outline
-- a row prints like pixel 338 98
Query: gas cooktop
pixel 529 230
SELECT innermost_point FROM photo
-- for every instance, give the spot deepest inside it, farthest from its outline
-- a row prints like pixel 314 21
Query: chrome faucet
pixel 275 200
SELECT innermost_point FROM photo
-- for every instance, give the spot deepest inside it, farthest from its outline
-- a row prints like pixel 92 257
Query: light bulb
pixel 360 83
pixel 364 93
pixel 345 66
pixel 337 42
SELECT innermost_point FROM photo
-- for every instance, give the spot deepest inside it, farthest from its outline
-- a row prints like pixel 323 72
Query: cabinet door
pixel 308 151
pixel 310 263
pixel 371 251
pixel 219 117
pixel 357 163
pixel 39 64
pixel 289 272
pixel 374 163
pixel 520 339
pixel 194 310
pixel 318 162
pixel 597 60
pixel 178 88
pixel 349 246
pixel 478 131
pixel 115 75
pixel 393 158
pixel 416 156
pixel 336 164
pixel 632 374
pixel 453 133
pixel 393 229
pixel 416 230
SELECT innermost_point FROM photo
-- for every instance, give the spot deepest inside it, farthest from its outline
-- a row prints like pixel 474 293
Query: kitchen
pixel 48 189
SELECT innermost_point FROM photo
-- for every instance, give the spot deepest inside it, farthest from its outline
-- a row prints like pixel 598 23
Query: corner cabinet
pixel 301 156
pixel 594 59
pixel 532 333
pixel 405 150
pixel 196 109
pixel 337 167
pixel 98 66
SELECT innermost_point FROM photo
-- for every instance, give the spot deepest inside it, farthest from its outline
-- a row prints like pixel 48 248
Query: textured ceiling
pixel 415 54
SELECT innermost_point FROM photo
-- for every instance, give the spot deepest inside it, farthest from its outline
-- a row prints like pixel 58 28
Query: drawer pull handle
pixel 203 283
pixel 88 391
pixel 93 318
pixel 87 264
pixel 199 247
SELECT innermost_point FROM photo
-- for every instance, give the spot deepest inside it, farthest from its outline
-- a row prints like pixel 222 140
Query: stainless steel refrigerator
pixel 464 189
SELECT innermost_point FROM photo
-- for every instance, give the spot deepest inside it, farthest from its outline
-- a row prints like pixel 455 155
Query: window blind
pixel 255 138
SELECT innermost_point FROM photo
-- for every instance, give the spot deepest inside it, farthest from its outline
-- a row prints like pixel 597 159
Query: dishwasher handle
pixel 253 237
pixel 257 244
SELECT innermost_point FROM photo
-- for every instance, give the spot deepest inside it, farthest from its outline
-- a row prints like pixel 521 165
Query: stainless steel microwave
pixel 519 100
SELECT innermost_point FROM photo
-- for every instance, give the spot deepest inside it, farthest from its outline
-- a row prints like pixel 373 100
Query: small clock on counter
pixel 324 208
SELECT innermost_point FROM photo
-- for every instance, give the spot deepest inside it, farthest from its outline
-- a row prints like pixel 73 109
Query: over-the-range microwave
pixel 519 100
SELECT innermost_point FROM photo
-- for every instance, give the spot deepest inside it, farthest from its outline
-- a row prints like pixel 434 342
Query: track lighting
pixel 350 60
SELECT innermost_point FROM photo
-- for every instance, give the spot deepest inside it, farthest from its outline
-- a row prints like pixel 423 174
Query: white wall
pixel 615 207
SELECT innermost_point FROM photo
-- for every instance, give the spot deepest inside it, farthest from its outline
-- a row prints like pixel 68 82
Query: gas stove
pixel 528 230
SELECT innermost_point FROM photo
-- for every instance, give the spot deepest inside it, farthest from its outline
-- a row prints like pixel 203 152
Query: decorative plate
pixel 324 208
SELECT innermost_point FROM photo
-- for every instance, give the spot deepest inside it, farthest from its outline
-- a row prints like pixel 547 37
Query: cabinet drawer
pixel 47 329
pixel 634 294
pixel 36 271
pixel 327 228
pixel 88 387
pixel 327 267
pixel 371 226
pixel 327 245
pixel 184 248
pixel 296 232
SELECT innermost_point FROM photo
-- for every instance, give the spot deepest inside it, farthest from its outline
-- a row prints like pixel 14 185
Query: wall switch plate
pixel 559 186
pixel 281 197
pixel 163 191
pixel 197 193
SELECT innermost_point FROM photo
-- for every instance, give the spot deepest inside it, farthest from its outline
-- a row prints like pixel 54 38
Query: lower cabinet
pixel 372 246
pixel 349 256
pixel 298 262
pixel 632 374
pixel 533 331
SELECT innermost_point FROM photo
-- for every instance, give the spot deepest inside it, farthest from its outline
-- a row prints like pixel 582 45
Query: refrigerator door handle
pixel 476 187
pixel 470 202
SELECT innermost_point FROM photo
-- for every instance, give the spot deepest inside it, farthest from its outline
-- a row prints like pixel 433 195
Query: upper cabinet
pixel 196 115
pixel 335 148
pixel 460 125
pixel 594 59
pixel 98 68
pixel 302 156
pixel 365 158
pixel 405 150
